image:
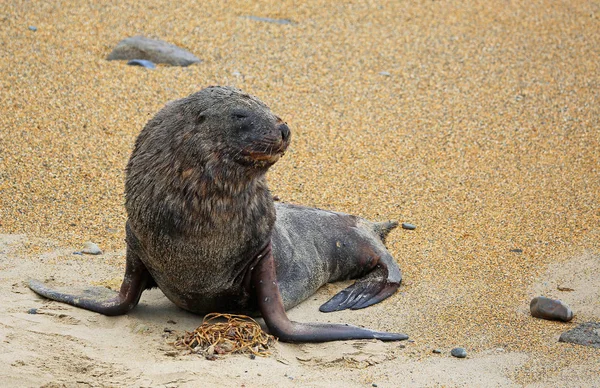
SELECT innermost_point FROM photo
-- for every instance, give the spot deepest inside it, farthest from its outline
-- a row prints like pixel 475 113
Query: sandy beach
pixel 478 122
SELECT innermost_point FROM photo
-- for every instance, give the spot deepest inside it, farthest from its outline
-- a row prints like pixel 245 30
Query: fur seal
pixel 203 227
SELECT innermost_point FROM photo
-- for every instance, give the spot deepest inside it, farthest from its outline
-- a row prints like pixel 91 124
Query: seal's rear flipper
pixel 384 228
pixel 377 285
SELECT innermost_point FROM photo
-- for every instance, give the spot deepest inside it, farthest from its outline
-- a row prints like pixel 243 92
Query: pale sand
pixel 485 135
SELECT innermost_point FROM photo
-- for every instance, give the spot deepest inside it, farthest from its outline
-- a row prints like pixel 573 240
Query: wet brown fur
pixel 197 197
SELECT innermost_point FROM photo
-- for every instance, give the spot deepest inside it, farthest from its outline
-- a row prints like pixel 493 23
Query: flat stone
pixel 91 249
pixel 408 226
pixel 551 309
pixel 586 334
pixel 157 51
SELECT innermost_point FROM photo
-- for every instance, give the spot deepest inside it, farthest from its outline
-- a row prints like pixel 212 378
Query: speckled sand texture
pixel 476 121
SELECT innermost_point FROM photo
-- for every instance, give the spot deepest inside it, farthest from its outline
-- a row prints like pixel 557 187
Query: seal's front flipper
pixel 100 299
pixel 377 285
pixel 270 303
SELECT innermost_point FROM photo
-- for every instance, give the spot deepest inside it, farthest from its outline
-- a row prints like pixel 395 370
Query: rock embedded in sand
pixel 551 309
pixel 408 226
pixel 91 249
pixel 459 352
pixel 142 62
pixel 157 51
pixel 586 334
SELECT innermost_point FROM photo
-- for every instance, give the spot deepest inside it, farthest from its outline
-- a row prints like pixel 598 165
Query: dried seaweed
pixel 226 333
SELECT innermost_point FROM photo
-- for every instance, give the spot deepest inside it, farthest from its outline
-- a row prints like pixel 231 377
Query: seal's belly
pixel 198 284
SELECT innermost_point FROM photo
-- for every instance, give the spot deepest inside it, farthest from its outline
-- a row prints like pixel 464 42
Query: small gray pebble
pixel 373 385
pixel 78 253
pixel 32 311
pixel 437 351
pixel 32 28
pixel 459 352
pixel 408 226
pixel 91 249
pixel 385 73
pixel 252 357
pixel 143 63
pixel 268 20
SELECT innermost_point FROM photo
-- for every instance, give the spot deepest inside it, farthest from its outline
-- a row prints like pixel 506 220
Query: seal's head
pixel 234 126
pixel 206 153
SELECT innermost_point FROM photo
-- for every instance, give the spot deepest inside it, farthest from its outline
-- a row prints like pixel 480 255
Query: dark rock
pixel 269 20
pixel 551 309
pixel 32 311
pixel 459 352
pixel 408 226
pixel 517 250
pixel 157 51
pixel 586 334
pixel 143 63
pixel 437 351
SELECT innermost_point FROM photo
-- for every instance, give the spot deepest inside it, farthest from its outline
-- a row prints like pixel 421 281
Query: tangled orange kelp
pixel 236 334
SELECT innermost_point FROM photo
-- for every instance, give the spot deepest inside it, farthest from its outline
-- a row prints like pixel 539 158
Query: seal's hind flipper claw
pixel 385 291
pixel 363 293
pixel 376 286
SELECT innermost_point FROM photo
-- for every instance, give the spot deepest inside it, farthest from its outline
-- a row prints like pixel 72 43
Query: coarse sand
pixel 476 121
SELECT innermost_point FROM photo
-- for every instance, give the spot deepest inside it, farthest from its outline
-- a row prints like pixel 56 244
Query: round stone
pixel 459 352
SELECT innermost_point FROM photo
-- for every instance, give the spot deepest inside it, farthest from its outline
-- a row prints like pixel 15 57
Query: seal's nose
pixel 285 132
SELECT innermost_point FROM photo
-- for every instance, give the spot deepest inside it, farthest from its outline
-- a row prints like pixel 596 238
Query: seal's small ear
pixel 200 118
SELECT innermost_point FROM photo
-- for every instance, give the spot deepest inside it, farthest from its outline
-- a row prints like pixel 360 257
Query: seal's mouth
pixel 266 155
pixel 269 148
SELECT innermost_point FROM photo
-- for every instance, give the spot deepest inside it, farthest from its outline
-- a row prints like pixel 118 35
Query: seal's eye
pixel 240 114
